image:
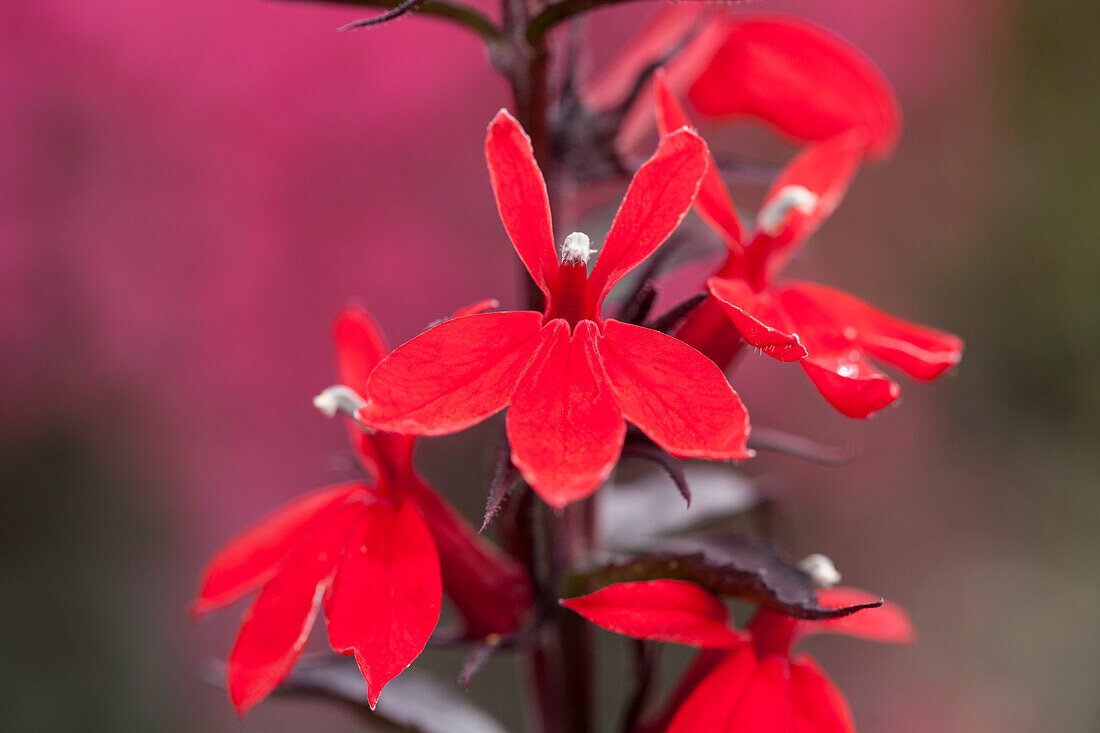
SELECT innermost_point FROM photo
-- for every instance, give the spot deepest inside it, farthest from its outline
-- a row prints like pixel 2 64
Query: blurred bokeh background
pixel 190 190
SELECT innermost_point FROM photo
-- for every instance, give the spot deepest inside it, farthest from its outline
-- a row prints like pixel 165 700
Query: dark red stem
pixel 560 659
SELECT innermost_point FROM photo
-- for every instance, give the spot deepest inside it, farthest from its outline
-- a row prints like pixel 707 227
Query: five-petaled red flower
pixel 368 550
pixel 742 681
pixel 829 332
pixel 569 376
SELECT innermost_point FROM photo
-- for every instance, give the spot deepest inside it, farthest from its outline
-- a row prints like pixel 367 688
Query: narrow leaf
pixel 504 481
pixel 802 447
pixel 675 315
pixel 648 451
pixel 477 658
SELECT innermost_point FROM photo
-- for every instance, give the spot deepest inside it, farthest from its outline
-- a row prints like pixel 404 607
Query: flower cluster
pixel 379 554
pixel 373 552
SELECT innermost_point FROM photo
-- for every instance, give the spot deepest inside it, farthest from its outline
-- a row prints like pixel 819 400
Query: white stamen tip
pixel 577 249
pixel 338 398
pixel 821 570
pixel 775 213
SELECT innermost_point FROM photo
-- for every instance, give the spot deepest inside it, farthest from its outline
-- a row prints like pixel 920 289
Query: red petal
pixel 805 81
pixel 656 202
pixel 825 170
pixel 565 429
pixel 888 623
pixel 677 396
pixel 452 376
pixel 359 346
pixel 816 705
pixel 839 331
pixel 836 364
pixel 850 385
pixel 713 204
pixel 385 599
pixel 921 352
pixel 521 197
pixel 660 610
pixel 708 330
pixel 766 705
pixel 489 588
pixel 245 562
pixel 757 318
pixel 276 626
pixel 704 663
pixel 714 703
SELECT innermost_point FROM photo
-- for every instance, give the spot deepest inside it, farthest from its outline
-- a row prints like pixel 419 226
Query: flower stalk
pixel 582 391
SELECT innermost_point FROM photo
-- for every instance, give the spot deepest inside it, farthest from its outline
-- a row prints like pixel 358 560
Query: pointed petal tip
pixel 502 115
pixel 241 700
pixel 373 690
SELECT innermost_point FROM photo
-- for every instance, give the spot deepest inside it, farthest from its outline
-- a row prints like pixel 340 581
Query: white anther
pixel 339 398
pixel 577 249
pixel 821 570
pixel 774 215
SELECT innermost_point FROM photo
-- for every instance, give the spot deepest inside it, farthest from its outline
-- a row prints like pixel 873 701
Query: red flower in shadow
pixel 367 551
pixel 829 332
pixel 742 681
pixel 569 376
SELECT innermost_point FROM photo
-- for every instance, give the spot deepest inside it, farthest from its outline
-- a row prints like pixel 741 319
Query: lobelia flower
pixel 489 589
pixel 569 376
pixel 830 333
pixel 368 551
pixel 743 680
pixel 798 78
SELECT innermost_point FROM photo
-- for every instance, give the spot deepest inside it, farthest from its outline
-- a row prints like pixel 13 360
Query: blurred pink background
pixel 189 191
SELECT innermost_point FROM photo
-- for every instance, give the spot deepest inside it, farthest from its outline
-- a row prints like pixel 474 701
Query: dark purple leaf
pixel 726 565
pixel 637 308
pixel 676 314
pixel 655 454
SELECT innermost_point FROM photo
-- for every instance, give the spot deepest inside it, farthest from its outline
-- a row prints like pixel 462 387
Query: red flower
pixel 369 550
pixel 569 376
pixel 743 682
pixel 831 333
pixel 799 78
pixel 489 589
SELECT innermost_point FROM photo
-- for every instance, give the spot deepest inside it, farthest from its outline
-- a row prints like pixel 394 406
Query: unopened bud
pixel 773 217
